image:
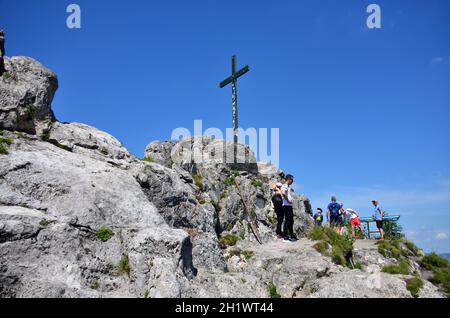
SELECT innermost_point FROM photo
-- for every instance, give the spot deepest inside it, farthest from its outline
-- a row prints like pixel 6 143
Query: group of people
pixel 282 202
pixel 336 215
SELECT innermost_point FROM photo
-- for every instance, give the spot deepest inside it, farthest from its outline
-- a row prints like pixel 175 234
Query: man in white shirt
pixel 286 193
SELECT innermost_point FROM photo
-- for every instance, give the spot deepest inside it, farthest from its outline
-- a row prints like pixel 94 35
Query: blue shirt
pixel 378 212
pixel 334 208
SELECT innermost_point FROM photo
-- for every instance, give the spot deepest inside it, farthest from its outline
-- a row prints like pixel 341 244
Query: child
pixel 318 217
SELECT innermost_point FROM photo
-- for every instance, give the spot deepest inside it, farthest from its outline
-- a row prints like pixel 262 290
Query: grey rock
pixel 26 95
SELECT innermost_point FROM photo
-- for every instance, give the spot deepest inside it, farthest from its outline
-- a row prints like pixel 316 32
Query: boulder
pixel 26 93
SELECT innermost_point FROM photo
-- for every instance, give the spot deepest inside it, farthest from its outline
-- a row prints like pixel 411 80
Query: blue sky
pixel 362 113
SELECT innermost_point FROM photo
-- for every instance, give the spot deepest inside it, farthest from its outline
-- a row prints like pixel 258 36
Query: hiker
pixel 318 218
pixel 333 214
pixel 340 224
pixel 288 209
pixel 378 216
pixel 353 217
pixel 2 52
pixel 277 205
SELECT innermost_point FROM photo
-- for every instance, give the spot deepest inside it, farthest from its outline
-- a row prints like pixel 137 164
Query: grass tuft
pixel 124 265
pixel 272 290
pixel 228 240
pixel 104 234
pixel 414 285
pixel 402 268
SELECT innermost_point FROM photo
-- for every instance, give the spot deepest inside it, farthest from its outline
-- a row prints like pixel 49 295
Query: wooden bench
pixel 367 220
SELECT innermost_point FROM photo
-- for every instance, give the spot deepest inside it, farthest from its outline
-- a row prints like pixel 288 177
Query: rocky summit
pixel 80 216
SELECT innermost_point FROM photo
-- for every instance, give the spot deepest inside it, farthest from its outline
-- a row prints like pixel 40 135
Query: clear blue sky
pixel 362 113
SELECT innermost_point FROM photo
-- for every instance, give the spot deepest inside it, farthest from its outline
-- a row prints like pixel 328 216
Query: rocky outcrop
pixel 26 93
pixel 82 217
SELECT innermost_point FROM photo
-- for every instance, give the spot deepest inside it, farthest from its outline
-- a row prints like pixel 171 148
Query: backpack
pixel 277 201
pixel 334 209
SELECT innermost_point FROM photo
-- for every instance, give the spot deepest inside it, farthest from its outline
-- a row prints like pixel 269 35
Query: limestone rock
pixel 26 93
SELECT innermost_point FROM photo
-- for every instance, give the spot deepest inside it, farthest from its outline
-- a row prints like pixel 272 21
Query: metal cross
pixel 233 80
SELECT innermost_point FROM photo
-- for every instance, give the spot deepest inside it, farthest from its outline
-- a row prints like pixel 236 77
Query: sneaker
pixel 293 239
pixel 286 240
pixel 279 238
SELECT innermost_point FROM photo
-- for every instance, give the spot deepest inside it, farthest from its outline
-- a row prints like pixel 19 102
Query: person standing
pixel 286 193
pixel 277 205
pixel 353 217
pixel 318 218
pixel 334 214
pixel 378 216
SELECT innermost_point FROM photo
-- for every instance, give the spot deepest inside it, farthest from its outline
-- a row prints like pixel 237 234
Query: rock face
pixel 82 217
pixel 26 93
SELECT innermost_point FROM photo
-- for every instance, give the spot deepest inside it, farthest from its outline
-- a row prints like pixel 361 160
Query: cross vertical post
pixel 234 102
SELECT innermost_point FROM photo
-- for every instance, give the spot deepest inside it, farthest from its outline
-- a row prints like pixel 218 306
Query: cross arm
pixel 230 79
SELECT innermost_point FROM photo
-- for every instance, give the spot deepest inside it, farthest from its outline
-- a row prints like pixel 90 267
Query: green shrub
pixel 148 159
pixel 45 223
pixel 392 230
pixel 95 285
pixel 440 267
pixel 257 183
pixel 242 235
pixel 200 199
pixel 229 227
pixel 337 256
pixel 248 254
pixel 3 149
pixel 272 290
pixel 104 234
pixel 198 179
pixel 7 75
pixel 390 249
pixel 433 260
pixel 441 276
pixel 322 247
pixel 231 180
pixel 124 265
pixel 30 110
pixel 6 141
pixel 401 268
pixel 146 294
pixel 412 247
pixel 414 285
pixel 358 265
pixel 228 240
pixel 341 245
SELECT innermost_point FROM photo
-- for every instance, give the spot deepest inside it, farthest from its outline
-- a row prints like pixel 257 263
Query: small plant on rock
pixel 272 290
pixel 198 180
pixel 414 285
pixel 95 285
pixel 104 234
pixel 124 265
pixel 148 159
pixel 402 268
pixel 228 240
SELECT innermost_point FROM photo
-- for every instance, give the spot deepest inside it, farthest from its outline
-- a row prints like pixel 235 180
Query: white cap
pixel 279 184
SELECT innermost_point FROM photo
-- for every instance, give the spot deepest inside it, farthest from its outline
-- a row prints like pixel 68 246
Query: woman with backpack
pixel 277 205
